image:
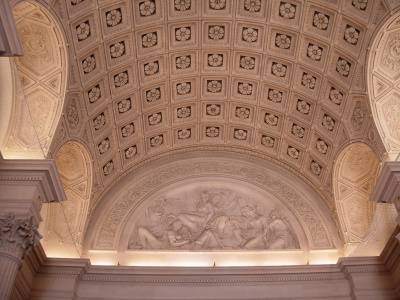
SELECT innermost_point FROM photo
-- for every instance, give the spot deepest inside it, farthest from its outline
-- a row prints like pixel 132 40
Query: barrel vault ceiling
pixel 280 79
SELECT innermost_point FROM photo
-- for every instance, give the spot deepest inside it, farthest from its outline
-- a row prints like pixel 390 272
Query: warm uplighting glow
pixel 103 258
pixel 210 259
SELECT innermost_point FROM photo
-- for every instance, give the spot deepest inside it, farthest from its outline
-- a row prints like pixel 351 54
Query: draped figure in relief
pixel 220 220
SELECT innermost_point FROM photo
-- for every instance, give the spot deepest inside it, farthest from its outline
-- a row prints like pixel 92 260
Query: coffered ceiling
pixel 280 78
pixel 284 81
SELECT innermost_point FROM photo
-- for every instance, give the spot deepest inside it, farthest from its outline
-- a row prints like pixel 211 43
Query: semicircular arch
pixel 355 172
pixel 65 222
pixel 383 75
pixel 40 82
pixel 110 226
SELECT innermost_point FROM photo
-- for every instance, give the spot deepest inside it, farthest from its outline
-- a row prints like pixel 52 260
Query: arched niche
pixel 65 222
pixel 179 181
pixel 6 98
pixel 355 172
pixel 39 84
pixel 383 73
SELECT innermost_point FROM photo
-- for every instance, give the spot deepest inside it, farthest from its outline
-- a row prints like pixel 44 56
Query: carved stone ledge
pixel 33 171
pixel 10 44
pixel 24 186
pixel 387 188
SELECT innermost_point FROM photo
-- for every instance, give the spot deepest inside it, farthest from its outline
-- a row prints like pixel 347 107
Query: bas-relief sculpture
pixel 216 219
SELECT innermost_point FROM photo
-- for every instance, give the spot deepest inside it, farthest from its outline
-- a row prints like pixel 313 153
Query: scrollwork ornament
pixel 72 114
pixel 351 35
pixel 18 235
pixel 216 32
pixel 343 67
pixel 287 10
pixel 183 62
pixel 89 64
pixel 240 134
pixel 83 31
pixel 282 41
pixel 335 96
pixel 99 121
pixel 113 17
pixel 274 96
pixel 153 95
pixel 213 110
pixel 322 146
pixel 215 60
pixel 308 81
pixel 124 105
pixel 242 112
pixel 117 49
pixel 151 68
pixel 303 107
pixel 298 131
pixel 157 141
pixel 360 4
pixel 359 115
pixel 271 119
pixel 217 4
pixel 155 118
pixel 130 152
pixel 314 52
pixel 149 40
pixel 94 94
pixel 315 168
pixel 183 88
pixel 147 8
pixel 252 5
pixel 267 141
pixel 328 122
pixel 121 79
pixel 278 70
pixel 182 5
pixel 108 168
pixel 183 112
pixel 247 62
pixel 184 134
pixel 320 21
pixel 250 35
pixel 245 88
pixel 214 86
pixel 104 146
pixel 212 132
pixel 293 152
pixel 127 130
pixel 182 34
pixel 391 54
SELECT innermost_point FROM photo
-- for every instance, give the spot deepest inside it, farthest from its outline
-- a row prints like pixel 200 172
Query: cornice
pixel 43 172
pixel 387 187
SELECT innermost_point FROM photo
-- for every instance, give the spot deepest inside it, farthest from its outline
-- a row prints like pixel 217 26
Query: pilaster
pixel 368 277
pixel 387 188
pixel 24 186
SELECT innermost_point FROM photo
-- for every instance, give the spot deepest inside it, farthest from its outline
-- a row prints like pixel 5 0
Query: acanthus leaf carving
pixel 18 235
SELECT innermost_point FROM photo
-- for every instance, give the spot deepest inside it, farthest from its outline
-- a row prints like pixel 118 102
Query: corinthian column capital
pixel 18 235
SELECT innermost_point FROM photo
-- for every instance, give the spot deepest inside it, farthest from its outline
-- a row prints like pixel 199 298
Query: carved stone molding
pixel 112 214
pixel 354 176
pixel 387 188
pixel 10 44
pixel 24 185
pixel 39 172
pixel 18 235
pixel 372 276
